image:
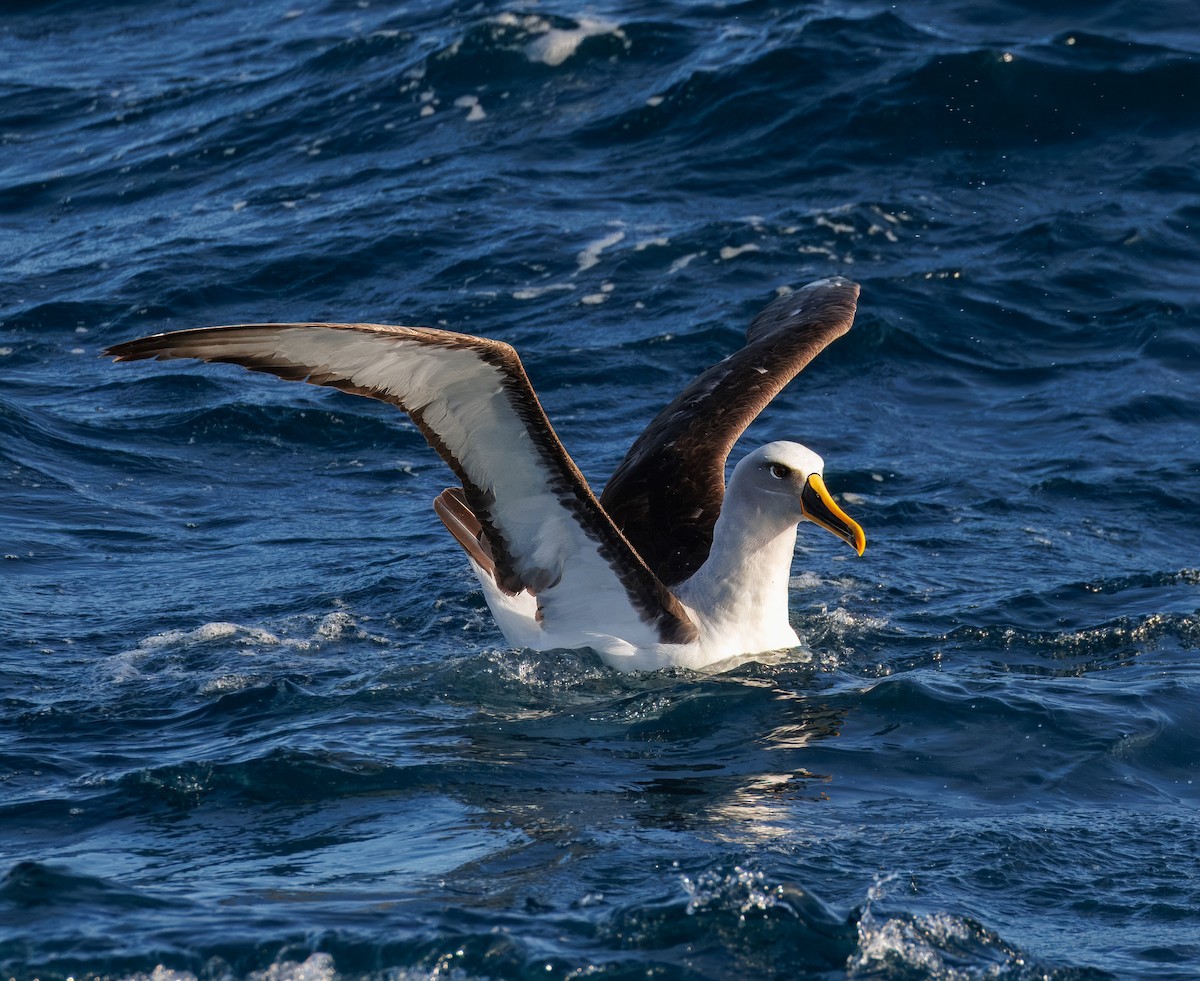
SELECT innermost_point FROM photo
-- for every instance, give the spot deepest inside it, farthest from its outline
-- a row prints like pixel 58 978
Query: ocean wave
pixel 259 721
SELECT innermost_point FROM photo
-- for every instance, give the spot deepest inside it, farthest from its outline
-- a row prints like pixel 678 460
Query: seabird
pixel 668 567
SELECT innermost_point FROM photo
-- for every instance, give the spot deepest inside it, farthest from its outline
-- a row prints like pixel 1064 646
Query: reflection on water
pixel 726 756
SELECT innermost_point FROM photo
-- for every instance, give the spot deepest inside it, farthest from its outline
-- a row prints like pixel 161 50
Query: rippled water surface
pixel 257 722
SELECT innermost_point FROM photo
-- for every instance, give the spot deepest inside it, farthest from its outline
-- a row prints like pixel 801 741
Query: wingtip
pixel 137 349
pixel 833 284
pixel 115 352
pixel 829 303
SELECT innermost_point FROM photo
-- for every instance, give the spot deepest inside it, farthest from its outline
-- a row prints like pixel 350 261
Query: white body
pixel 738 599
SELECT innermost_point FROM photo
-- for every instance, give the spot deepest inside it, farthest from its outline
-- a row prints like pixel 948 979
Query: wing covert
pixel 666 493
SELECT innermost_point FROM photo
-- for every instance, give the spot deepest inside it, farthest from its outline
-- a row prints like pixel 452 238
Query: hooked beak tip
pixel 818 505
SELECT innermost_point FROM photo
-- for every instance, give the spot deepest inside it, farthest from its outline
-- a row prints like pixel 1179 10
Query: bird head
pixel 787 477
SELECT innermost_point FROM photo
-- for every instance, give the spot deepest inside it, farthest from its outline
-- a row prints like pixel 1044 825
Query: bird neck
pixel 743 585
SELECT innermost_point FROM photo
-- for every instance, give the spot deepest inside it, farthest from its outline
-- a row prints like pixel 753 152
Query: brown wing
pixel 473 401
pixel 667 492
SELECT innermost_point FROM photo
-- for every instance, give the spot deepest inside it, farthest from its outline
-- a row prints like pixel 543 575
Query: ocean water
pixel 257 722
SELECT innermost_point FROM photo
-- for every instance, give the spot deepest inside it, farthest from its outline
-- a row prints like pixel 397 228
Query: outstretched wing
pixel 667 492
pixel 473 401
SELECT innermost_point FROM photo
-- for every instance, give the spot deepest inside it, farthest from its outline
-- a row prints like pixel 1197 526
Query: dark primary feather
pixel 667 492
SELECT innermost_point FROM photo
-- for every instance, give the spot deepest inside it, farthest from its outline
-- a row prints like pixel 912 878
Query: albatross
pixel 669 566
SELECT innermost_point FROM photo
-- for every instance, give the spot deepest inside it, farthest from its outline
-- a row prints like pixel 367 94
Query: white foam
pixel 837 227
pixel 472 103
pixel 554 45
pixel 317 967
pixel 817 250
pixel 929 945
pixel 205 634
pixel 335 626
pixel 534 292
pixel 648 242
pixel 161 973
pixel 743 890
pixel 591 255
pixel 229 682
pixel 683 261
pixel 600 297
pixel 806 580
pixel 841 617
pixel 732 252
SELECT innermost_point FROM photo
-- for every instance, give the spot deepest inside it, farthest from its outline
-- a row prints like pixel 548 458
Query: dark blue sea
pixel 257 722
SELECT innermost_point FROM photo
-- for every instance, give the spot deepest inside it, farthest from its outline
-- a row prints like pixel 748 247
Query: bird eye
pixel 779 471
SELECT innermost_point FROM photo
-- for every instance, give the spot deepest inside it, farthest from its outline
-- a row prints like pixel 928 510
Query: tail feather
pixel 451 506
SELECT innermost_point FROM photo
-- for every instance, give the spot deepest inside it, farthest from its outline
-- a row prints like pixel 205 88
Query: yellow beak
pixel 820 508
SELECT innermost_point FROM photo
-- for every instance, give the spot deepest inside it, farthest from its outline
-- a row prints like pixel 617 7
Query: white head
pixel 784 481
